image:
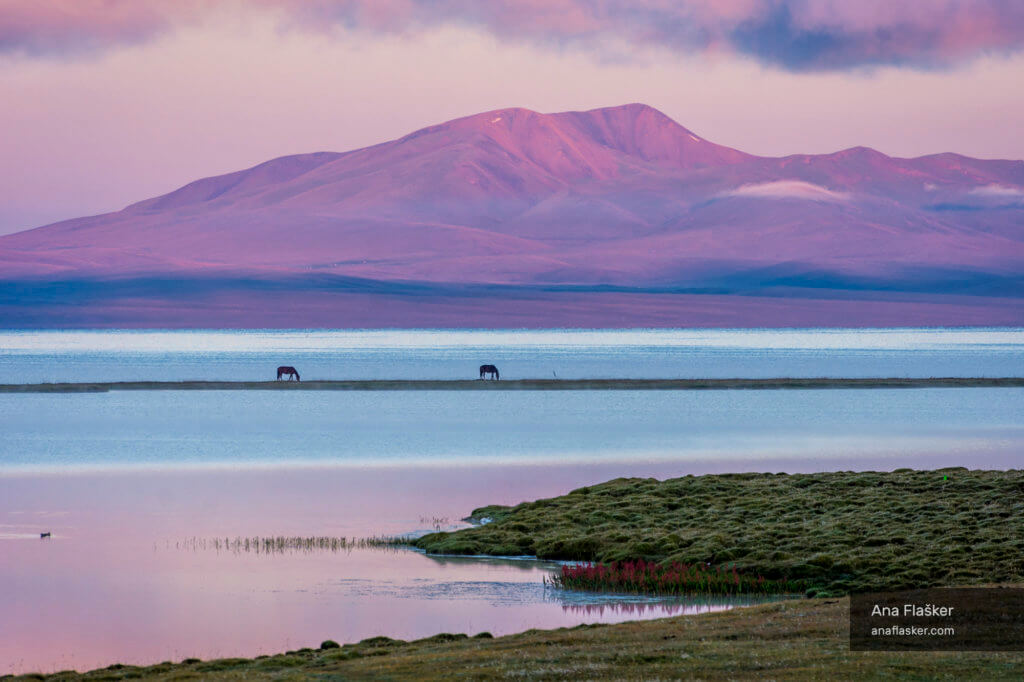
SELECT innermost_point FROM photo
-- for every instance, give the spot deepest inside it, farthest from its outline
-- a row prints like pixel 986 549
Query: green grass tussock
pixel 837 533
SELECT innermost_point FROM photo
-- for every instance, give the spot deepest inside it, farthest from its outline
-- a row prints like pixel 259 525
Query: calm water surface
pixel 33 356
pixel 188 429
pixel 130 484
pixel 125 578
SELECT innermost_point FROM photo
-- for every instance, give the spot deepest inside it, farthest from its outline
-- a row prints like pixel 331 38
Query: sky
pixel 108 102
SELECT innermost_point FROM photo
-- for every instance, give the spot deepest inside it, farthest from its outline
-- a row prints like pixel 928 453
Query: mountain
pixel 562 213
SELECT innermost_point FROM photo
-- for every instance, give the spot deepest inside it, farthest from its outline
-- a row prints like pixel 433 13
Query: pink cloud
pixel 797 35
pixel 787 189
pixel 998 192
pixel 73 26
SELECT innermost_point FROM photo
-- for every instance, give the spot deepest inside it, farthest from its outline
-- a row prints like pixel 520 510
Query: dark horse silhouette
pixel 291 372
pixel 489 369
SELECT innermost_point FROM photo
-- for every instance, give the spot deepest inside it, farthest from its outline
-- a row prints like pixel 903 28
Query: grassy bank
pixel 835 532
pixel 805 639
pixel 521 385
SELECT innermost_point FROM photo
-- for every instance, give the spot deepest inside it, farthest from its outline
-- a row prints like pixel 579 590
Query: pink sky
pixel 107 103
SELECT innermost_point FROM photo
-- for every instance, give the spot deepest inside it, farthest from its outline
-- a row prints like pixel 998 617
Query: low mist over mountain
pixel 611 217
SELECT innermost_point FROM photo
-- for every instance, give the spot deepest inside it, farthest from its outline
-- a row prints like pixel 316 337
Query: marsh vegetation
pixel 836 533
pixel 649 577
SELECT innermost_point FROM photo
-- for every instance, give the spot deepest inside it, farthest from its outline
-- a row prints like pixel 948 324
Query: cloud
pixel 998 192
pixel 795 35
pixel 68 27
pixel 787 189
pixel 984 197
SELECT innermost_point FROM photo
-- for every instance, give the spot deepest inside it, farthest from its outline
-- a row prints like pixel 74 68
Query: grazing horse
pixel 489 369
pixel 291 372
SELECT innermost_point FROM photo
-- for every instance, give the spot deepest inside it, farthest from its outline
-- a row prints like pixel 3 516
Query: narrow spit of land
pixel 838 532
pixel 520 385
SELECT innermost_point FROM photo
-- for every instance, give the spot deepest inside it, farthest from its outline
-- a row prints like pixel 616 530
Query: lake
pixel 38 356
pixel 135 486
pixel 125 577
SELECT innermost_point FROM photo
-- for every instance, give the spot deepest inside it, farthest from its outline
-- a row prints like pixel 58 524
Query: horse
pixel 291 372
pixel 489 369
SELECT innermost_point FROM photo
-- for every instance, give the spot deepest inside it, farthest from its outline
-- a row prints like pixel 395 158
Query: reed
pixel 281 544
pixel 436 522
pixel 675 578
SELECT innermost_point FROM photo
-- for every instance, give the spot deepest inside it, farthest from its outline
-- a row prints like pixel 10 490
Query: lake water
pixel 125 578
pixel 159 430
pixel 132 483
pixel 32 356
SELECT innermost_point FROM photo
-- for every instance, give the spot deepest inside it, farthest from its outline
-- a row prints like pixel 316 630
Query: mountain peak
pixel 598 144
pixel 635 112
pixel 636 130
pixel 641 130
pixel 632 112
pixel 614 195
pixel 859 152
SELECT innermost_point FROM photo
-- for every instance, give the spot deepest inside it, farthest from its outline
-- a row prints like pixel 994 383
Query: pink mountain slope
pixel 618 196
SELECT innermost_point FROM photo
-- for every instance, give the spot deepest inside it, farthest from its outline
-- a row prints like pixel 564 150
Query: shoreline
pixel 921 506
pixel 781 383
pixel 735 644
pixel 774 525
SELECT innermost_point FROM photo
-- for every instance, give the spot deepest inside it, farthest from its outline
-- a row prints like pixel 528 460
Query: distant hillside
pixel 579 212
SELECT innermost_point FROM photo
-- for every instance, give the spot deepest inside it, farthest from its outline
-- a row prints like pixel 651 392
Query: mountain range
pixel 611 217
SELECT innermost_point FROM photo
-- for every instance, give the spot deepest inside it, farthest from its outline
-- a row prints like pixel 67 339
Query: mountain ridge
pixel 617 196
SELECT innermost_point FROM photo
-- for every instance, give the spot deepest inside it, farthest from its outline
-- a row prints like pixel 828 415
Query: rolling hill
pixel 611 217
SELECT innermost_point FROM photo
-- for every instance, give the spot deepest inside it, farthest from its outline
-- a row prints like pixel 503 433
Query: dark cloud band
pixel 796 35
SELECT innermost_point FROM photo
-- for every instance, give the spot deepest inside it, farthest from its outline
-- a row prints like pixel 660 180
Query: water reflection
pixel 493 592
pixel 260 545
pixel 643 609
pixel 522 563
pixel 111 586
pixel 601 605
